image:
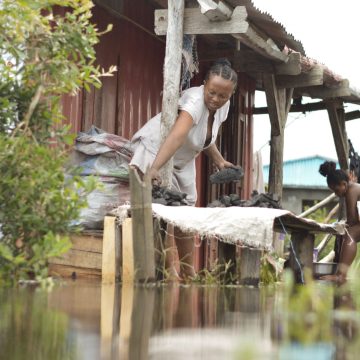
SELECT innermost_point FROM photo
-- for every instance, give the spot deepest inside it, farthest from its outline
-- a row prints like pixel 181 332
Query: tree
pixel 46 50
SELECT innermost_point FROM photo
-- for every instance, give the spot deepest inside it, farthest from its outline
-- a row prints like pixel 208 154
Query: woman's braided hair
pixel 222 67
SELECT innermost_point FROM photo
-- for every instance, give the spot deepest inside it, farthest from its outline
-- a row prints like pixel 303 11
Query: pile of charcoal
pixel 165 196
pixel 257 200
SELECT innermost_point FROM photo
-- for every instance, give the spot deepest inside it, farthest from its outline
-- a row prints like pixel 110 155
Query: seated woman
pixel 202 110
pixel 339 182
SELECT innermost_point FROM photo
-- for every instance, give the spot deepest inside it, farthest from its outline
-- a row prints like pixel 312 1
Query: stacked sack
pixel 105 156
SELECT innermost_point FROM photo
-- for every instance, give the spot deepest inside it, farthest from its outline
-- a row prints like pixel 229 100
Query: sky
pixel 328 30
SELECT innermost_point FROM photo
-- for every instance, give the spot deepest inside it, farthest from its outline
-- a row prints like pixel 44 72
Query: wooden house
pixel 266 57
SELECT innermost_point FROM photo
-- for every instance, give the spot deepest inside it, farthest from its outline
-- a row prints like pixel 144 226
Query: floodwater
pixel 87 320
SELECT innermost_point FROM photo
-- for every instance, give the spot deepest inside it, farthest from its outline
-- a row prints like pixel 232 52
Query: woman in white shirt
pixel 201 112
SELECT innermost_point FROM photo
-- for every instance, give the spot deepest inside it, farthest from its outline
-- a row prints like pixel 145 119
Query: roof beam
pixel 196 23
pixel 266 48
pixel 321 105
pixel 352 115
pixel 321 92
pixel 313 78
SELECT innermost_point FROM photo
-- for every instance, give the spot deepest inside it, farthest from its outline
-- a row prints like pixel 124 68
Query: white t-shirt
pixel 192 101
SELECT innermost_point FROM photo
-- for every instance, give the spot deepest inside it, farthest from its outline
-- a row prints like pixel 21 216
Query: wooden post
pixel 336 113
pixel 172 67
pixel 142 227
pixel 301 254
pixel 248 266
pixel 279 103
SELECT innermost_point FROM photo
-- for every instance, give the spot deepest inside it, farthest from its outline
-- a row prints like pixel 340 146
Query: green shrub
pixel 46 50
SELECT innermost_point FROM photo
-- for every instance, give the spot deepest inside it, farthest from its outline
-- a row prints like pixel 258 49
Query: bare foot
pixel 337 278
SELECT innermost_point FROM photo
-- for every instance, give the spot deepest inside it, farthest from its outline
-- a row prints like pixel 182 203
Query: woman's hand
pixel 155 176
pixel 225 164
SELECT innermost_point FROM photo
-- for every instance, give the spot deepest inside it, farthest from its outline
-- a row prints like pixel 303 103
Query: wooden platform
pixel 83 260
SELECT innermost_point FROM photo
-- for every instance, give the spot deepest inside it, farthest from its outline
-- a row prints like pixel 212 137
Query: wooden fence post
pixel 142 227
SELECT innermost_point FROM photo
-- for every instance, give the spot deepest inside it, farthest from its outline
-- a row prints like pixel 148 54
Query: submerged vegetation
pixel 46 51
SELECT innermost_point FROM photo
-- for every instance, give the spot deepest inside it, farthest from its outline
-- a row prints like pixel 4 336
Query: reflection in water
pixel 82 320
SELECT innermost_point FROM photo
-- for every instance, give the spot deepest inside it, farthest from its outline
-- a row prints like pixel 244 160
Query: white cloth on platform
pixel 146 141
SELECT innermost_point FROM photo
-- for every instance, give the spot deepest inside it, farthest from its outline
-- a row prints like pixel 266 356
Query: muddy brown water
pixel 87 320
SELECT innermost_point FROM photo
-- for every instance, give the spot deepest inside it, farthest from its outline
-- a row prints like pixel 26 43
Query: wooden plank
pixel 301 255
pixel 352 115
pixel 68 271
pixel 266 48
pixel 86 243
pixel 316 106
pixel 78 258
pixel 196 23
pixel 321 92
pixel 313 78
pixel 172 67
pixel 320 204
pixel 336 116
pixel 142 227
pixel 248 266
pixel 108 252
pixel 127 252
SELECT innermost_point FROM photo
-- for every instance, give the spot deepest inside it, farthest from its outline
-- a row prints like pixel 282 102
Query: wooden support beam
pixel 316 106
pixel 248 266
pixel 272 98
pixel 313 78
pixel 142 227
pixel 196 23
pixel 279 102
pixel 172 67
pixel 352 115
pixel 301 254
pixel 319 205
pixel 322 92
pixel 266 48
pixel 337 121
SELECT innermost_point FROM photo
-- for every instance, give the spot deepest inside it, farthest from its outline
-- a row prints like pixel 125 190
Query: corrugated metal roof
pixel 265 22
pixel 303 172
